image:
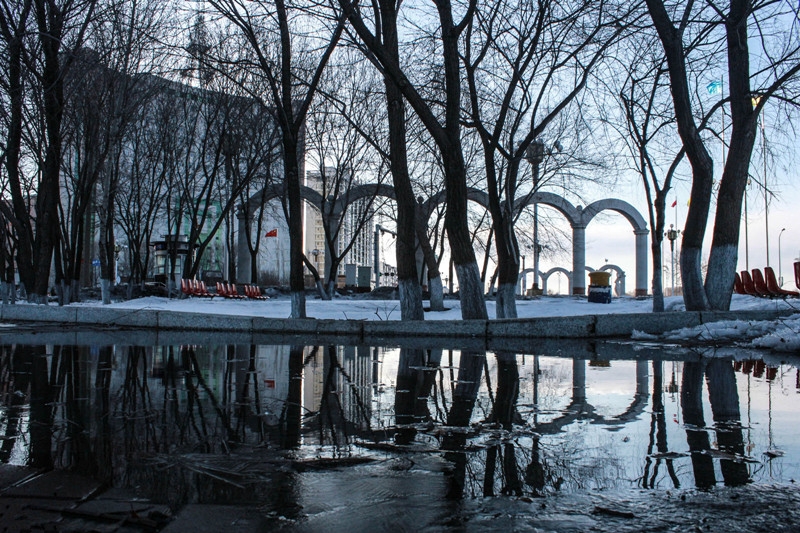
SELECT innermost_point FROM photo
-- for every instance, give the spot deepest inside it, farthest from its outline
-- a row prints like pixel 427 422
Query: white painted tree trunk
pixel 298 304
pixel 436 290
pixel 506 303
pixel 6 290
pixel 105 291
pixel 470 288
pixel 325 295
pixel 410 300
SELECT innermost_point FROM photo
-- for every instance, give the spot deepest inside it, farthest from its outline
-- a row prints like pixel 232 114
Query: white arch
pixel 577 217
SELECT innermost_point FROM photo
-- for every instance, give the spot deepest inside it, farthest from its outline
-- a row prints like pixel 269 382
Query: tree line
pixel 435 97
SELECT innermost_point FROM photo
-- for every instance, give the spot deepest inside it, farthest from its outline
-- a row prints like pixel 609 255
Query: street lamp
pixel 780 272
pixel 315 253
pixel 535 155
pixel 672 235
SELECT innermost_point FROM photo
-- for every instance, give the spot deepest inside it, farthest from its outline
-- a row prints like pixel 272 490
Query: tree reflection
pixel 658 434
pixel 504 413
pixel 176 408
pixel 470 372
pixel 292 415
pixel 416 375
pixel 696 434
pixel 724 398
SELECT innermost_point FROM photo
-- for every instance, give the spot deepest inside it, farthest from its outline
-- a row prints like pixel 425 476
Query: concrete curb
pixel 569 327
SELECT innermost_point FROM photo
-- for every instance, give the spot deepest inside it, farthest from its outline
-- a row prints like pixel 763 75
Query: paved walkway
pixel 149 321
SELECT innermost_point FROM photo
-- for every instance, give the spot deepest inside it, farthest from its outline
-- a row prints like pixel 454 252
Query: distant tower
pixel 198 48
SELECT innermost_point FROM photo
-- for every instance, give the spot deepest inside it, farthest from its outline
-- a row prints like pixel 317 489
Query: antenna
pixel 199 46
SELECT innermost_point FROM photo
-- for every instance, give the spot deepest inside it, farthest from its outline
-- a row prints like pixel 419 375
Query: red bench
pixel 747 284
pixel 192 287
pixel 797 274
pixel 774 288
pixel 760 284
pixel 738 286
pixel 228 290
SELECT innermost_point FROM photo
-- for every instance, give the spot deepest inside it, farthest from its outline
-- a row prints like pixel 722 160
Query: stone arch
pixel 579 217
pixel 522 275
pixel 640 230
pixel 555 270
pixel 619 280
pixel 476 195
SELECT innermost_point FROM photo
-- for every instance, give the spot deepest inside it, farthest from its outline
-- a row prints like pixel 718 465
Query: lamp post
pixel 535 155
pixel 315 253
pixel 672 235
pixel 766 191
pixel 780 272
pixel 523 276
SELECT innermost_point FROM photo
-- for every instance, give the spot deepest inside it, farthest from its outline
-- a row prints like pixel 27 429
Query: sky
pixel 781 335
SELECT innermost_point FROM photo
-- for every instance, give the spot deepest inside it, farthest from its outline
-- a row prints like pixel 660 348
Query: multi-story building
pixel 355 228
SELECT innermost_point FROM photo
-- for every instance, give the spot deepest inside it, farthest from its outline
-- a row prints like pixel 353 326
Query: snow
pixel 781 335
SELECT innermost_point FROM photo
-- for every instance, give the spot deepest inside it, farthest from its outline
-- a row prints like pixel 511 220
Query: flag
pixel 715 87
pixel 674 203
pixel 272 233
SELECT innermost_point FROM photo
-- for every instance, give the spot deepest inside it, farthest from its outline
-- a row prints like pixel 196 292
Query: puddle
pixel 321 437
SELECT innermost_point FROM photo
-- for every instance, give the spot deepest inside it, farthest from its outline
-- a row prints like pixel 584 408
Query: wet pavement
pixel 391 494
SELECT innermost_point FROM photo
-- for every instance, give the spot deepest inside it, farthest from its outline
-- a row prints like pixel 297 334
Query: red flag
pixel 674 203
pixel 272 233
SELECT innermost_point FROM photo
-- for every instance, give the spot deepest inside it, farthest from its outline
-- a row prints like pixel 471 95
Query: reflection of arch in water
pixel 580 409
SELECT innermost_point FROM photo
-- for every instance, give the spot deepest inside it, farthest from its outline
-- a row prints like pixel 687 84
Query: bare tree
pixel 61 26
pixel 292 76
pixel 14 21
pixel 443 124
pixel 515 57
pixel 675 24
pixel 647 129
pixel 142 193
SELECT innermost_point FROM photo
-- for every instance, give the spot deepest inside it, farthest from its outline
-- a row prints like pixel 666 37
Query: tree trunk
pixel 657 239
pixel 506 300
pixel 694 295
pixel 50 24
pixel 295 223
pixel 436 293
pixel 435 287
pixel 470 286
pixel 410 292
pixel 727 222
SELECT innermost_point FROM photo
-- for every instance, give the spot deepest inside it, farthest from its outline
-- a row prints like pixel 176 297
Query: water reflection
pixel 505 423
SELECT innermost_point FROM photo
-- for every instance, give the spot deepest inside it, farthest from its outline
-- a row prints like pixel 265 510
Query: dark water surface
pixel 318 437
